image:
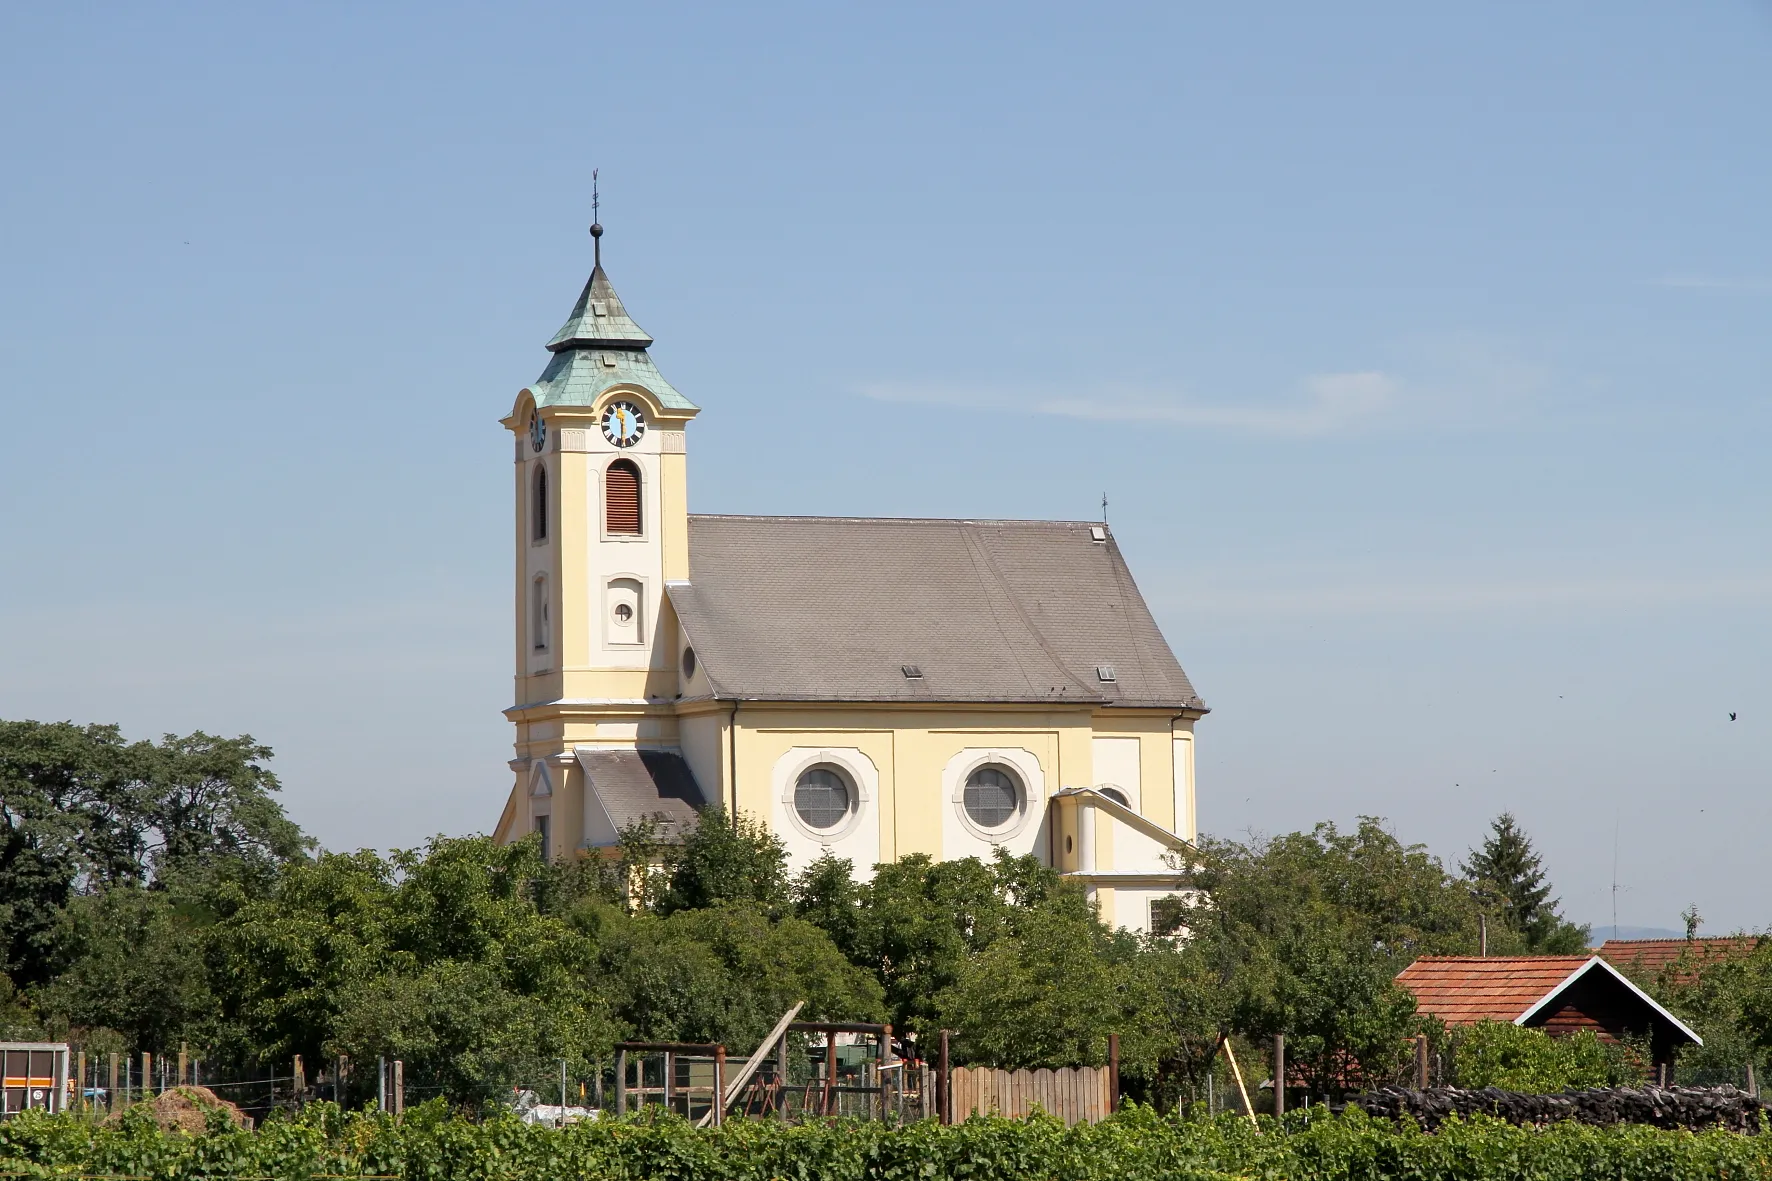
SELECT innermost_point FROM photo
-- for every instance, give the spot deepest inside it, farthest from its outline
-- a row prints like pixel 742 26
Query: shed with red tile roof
pixel 1556 993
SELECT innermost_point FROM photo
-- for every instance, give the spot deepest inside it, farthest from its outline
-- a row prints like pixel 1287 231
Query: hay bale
pixel 186 1109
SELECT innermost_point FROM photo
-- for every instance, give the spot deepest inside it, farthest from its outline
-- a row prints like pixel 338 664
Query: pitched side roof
pixel 1649 957
pixel 835 608
pixel 1462 990
pixel 635 785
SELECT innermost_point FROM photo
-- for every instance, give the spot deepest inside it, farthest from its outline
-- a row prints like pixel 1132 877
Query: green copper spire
pixel 600 346
pixel 598 320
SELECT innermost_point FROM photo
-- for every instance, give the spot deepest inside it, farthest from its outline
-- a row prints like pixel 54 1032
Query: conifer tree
pixel 1509 871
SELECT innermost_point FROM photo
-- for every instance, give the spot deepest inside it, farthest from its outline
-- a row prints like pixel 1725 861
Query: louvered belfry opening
pixel 621 498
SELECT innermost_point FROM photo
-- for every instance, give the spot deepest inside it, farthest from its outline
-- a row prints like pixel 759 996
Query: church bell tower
pixel 601 523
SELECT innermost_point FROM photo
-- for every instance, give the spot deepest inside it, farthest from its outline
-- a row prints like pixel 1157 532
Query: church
pixel 871 687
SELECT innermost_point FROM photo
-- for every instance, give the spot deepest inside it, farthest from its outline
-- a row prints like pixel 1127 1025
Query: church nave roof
pixel 847 609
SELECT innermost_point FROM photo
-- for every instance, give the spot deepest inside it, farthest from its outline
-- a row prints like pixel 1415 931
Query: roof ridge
pixel 895 520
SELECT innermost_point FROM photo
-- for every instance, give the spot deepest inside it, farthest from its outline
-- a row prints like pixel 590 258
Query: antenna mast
pixel 1614 877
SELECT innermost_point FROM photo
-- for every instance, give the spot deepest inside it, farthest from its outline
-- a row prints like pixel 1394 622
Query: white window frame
pixel 864 781
pixel 1022 765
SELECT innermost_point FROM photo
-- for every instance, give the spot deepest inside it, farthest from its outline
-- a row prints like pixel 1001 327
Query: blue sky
pixel 1422 354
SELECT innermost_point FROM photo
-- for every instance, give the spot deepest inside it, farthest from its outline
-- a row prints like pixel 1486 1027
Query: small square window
pixel 1105 674
pixel 1097 533
pixel 599 308
pixel 911 672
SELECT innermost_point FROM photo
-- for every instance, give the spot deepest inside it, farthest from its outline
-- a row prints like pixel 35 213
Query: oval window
pixel 992 797
pixel 688 662
pixel 822 798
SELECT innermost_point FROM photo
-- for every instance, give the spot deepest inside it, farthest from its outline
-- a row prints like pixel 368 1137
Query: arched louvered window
pixel 621 498
pixel 538 509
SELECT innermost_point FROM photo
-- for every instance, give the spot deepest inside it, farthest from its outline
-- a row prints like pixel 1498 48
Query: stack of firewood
pixel 1664 1107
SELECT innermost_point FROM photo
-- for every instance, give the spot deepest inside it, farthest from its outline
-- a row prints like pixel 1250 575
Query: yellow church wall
pixel 917 754
pixel 673 487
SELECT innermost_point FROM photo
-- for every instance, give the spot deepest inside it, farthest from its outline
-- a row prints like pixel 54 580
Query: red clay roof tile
pixel 1462 990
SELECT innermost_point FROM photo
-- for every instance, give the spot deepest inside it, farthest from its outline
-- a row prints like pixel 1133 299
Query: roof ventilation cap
pixel 911 672
pixel 1105 674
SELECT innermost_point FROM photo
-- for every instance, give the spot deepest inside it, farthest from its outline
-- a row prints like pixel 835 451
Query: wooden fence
pixel 1073 1094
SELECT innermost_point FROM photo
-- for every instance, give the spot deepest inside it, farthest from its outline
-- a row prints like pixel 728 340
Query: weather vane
pixel 596 226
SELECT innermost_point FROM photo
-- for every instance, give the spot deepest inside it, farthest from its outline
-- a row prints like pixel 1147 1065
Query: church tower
pixel 601 524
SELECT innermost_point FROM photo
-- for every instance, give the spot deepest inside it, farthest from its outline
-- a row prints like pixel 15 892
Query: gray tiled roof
pixel 833 608
pixel 635 785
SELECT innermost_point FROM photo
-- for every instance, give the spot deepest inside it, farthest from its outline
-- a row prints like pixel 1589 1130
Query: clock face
pixel 623 423
pixel 538 430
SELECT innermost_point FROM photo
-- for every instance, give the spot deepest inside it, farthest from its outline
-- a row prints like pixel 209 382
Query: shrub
pixel 1134 1144
pixel 1499 1054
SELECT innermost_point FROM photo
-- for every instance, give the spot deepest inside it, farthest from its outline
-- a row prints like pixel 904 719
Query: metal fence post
pixel 1113 1072
pixel 1279 1074
pixel 719 1085
pixel 944 1086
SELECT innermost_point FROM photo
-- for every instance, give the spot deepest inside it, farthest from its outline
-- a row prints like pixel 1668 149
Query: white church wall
pixel 1118 763
pixel 702 740
pixel 1026 833
pixel 1133 851
pixel 1184 787
pixel 1132 906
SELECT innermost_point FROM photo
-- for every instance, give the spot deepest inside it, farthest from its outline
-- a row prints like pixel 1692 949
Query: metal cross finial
pixel 1104 508
pixel 596 226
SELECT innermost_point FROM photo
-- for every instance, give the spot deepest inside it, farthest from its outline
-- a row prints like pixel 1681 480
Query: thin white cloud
pixel 1715 283
pixel 1622 592
pixel 1326 403
pixel 1457 380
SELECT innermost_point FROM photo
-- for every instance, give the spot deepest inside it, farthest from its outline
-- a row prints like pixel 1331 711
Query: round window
pixel 822 798
pixel 689 662
pixel 992 799
pixel 623 613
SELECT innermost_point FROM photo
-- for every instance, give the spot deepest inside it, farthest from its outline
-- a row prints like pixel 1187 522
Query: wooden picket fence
pixel 1073 1094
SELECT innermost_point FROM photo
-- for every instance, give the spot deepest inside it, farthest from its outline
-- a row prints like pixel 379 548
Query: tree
pixel 82 810
pixel 827 896
pixel 1509 874
pixel 438 956
pixel 1307 932
pixel 722 974
pixel 728 861
pixel 1046 995
pixel 918 922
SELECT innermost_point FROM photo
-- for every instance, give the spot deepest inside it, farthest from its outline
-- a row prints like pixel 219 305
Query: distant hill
pixel 1598 934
